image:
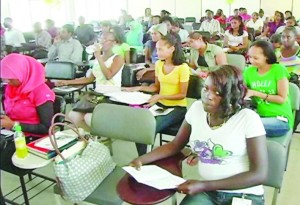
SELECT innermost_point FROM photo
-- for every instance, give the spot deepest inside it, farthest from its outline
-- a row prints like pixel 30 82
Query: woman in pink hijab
pixel 28 100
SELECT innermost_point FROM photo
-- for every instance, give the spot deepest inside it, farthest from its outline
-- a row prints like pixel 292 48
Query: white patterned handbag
pixel 78 176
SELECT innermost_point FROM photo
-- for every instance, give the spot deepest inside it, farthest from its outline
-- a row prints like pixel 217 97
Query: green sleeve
pixel 281 72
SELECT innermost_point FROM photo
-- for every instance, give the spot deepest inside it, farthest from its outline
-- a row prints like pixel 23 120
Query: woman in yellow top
pixel 171 84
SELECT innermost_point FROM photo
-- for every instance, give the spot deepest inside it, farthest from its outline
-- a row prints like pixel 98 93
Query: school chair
pixel 276 166
pixel 122 123
pixel 59 107
pixel 285 140
pixel 236 60
pixel 190 19
pixel 196 26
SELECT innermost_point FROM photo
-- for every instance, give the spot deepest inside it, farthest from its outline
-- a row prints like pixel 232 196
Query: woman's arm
pixel 127 57
pixel 148 56
pixel 168 149
pixel 110 72
pixel 257 174
pixel 282 94
pixel 45 113
pixel 245 43
pixel 225 43
pixel 78 81
pixel 221 59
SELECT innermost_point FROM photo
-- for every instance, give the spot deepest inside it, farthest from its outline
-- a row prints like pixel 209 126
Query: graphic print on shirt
pixel 210 153
pixel 263 86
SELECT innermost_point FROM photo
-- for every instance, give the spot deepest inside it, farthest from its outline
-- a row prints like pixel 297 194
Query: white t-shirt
pixel 255 25
pixel 223 152
pixel 100 77
pixel 235 40
pixel 184 34
pixel 14 37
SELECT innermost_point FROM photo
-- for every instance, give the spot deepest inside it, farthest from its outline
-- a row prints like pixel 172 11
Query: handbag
pixel 80 174
pixel 88 102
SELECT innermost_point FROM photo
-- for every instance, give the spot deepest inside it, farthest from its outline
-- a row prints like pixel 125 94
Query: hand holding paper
pixel 155 176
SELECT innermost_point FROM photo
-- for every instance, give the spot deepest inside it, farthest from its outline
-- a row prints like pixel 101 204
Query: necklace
pixel 216 126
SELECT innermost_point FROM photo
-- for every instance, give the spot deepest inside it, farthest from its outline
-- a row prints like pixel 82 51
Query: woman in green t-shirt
pixel 268 87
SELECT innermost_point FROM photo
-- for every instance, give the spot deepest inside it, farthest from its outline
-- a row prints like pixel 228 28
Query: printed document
pixel 155 176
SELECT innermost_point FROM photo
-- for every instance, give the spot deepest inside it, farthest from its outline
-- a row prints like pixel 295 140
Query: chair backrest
pixel 205 34
pixel 129 75
pixel 277 161
pixel 133 55
pixel 190 19
pixel 188 27
pixel 28 36
pixel 180 20
pixel 196 26
pixel 294 95
pixel 195 87
pixel 123 123
pixel 236 60
pixel 60 70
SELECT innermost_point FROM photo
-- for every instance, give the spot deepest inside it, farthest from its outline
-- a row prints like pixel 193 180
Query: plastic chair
pixel 59 70
pixel 180 20
pixel 196 26
pixel 188 27
pixel 236 60
pixel 190 19
pixel 59 106
pixel 194 92
pixel 285 141
pixel 277 161
pixel 122 123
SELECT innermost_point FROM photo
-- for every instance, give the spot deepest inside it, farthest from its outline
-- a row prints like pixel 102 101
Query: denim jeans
pixel 275 127
pixel 162 122
pixel 220 198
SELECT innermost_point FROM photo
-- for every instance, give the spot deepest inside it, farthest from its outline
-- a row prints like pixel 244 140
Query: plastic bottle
pixel 20 142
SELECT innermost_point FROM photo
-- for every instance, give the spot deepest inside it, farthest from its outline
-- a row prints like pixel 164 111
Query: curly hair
pixel 229 82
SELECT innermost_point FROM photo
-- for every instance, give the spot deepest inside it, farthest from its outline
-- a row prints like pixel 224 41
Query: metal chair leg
pixel 26 201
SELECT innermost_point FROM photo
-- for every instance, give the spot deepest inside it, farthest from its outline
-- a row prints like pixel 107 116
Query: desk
pixel 134 192
pixel 30 162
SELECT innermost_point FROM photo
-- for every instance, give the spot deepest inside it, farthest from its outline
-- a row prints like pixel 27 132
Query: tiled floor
pixel 289 195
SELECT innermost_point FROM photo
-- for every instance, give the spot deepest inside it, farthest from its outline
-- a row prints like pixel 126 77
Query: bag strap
pixel 52 132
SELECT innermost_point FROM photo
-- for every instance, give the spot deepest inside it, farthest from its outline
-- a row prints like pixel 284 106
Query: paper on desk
pixel 155 176
pixel 156 110
pixel 107 89
pixel 132 98
pixel 66 88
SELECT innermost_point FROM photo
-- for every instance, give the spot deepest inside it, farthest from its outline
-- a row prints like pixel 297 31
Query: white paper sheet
pixel 155 176
pixel 65 88
pixel 156 110
pixel 103 89
pixel 132 98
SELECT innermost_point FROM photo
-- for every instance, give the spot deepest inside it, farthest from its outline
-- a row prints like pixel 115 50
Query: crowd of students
pixel 218 121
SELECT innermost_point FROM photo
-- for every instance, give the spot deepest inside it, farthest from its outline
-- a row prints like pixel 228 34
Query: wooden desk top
pixel 134 192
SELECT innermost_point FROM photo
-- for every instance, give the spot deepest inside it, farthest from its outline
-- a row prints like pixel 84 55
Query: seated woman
pixel 273 25
pixel 268 87
pixel 28 100
pixel 107 70
pixel 121 47
pixel 204 56
pixel 171 83
pixel 228 140
pixel 236 38
pixel 290 51
pixel 134 37
pixel 157 32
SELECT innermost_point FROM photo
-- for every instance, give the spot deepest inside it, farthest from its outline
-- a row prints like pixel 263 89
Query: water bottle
pixel 20 142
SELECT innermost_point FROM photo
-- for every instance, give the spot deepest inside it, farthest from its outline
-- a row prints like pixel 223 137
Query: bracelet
pixel 266 97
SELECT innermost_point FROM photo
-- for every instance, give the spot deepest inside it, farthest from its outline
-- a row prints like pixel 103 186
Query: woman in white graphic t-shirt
pixel 228 142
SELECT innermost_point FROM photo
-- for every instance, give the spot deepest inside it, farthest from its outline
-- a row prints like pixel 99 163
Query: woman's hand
pixel 140 73
pixel 191 187
pixel 192 160
pixel 131 89
pixel 136 164
pixel 154 99
pixel 250 93
pixel 202 74
pixel 61 83
pixel 6 122
pixel 98 50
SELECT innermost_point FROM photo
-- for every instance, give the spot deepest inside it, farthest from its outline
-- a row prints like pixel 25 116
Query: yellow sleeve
pixel 158 66
pixel 184 73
